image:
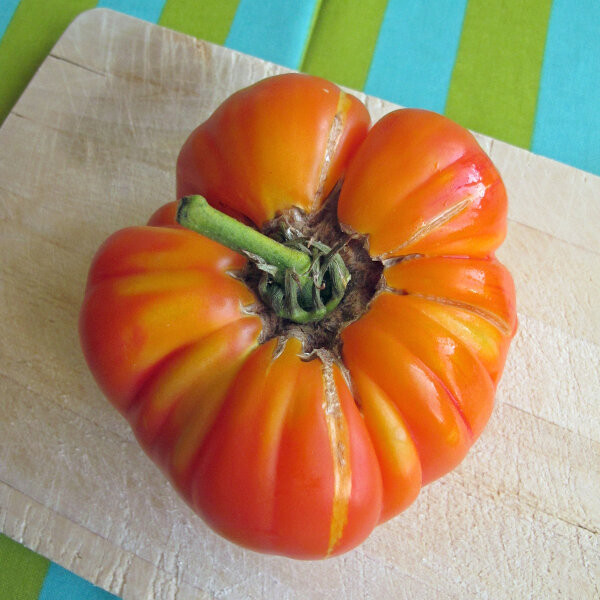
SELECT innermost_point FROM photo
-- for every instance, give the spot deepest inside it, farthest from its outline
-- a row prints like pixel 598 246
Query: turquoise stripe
pixel 415 52
pixel 7 10
pixel 148 10
pixel 64 585
pixel 274 30
pixel 568 111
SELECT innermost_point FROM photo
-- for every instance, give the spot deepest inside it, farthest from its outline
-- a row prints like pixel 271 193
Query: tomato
pixel 299 400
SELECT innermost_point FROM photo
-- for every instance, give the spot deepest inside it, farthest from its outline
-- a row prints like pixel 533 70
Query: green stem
pixel 302 283
pixel 195 213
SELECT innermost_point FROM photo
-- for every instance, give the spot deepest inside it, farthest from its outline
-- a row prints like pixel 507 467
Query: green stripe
pixel 496 77
pixel 22 571
pixel 343 41
pixel 31 34
pixel 208 21
pixel 311 29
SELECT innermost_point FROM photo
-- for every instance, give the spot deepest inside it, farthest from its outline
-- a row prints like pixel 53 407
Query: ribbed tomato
pixel 301 395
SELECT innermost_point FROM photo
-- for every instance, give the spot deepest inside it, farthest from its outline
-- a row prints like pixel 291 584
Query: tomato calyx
pixel 301 279
pixel 320 338
pixel 309 296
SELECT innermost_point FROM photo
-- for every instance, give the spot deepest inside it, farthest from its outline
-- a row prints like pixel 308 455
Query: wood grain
pixel 91 148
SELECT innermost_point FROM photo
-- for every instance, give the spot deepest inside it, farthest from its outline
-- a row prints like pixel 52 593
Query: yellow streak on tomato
pixel 179 404
pixel 421 184
pixel 481 286
pixel 250 158
pixel 182 306
pixel 375 345
pixel 481 336
pixel 278 392
pixel 213 396
pixel 339 440
pixel 396 453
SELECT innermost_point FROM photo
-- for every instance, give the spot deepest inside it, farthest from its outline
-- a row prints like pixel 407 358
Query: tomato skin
pixel 275 470
pixel 277 452
pixel 420 183
pixel 472 297
pixel 151 291
pixel 240 158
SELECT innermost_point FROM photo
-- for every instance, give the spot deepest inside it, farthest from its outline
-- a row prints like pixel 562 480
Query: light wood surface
pixel 91 148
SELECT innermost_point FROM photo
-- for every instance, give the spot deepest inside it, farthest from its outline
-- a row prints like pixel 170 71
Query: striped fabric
pixel 523 71
pixel 25 575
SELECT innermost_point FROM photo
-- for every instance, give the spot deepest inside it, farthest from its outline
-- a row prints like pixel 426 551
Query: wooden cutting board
pixel 91 148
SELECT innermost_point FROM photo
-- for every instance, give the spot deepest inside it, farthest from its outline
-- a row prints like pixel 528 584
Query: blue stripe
pixel 568 111
pixel 415 52
pixel 61 584
pixel 148 10
pixel 274 30
pixel 7 10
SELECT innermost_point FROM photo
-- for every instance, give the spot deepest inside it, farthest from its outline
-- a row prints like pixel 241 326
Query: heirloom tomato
pixel 317 329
